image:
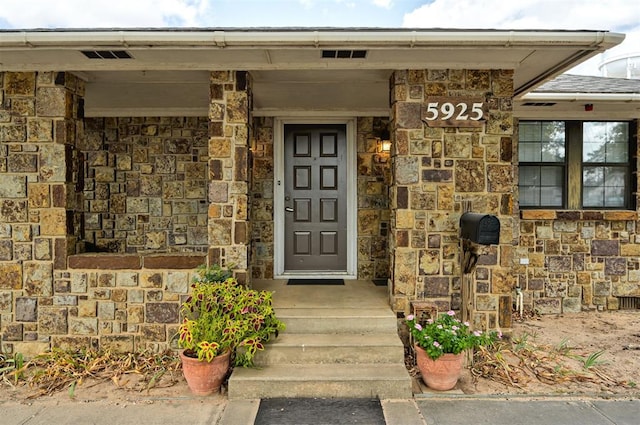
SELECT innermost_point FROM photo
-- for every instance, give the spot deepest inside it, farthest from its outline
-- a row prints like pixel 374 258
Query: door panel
pixel 315 195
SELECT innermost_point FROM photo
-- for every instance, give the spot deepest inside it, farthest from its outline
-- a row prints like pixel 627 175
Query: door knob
pixel 288 209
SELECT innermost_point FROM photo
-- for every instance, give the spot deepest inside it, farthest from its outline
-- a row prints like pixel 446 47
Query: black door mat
pixel 319 411
pixel 380 282
pixel 315 282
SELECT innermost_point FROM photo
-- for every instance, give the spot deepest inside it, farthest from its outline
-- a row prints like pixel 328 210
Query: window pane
pixel 614 197
pixel 529 196
pixel 593 196
pixel 530 131
pixel 593 152
pixel 552 152
pixel 617 152
pixel 529 176
pixel 593 176
pixel 551 176
pixel 614 176
pixel 530 152
pixel 541 141
pixel 551 196
pixel 553 137
pixel 541 186
pixel 605 142
pixel 604 186
pixel 553 131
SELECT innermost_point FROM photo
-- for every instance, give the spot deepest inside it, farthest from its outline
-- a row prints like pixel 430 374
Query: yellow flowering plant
pixel 223 315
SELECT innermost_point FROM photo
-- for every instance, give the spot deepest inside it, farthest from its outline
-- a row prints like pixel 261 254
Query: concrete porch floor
pixel 354 294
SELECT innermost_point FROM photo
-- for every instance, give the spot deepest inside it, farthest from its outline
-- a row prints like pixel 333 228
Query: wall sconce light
pixel 384 146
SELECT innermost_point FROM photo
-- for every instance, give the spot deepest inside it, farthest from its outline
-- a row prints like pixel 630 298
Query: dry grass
pixel 58 371
pixel 521 360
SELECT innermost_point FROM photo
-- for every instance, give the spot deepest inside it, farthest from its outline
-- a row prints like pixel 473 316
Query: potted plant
pixel 439 345
pixel 224 323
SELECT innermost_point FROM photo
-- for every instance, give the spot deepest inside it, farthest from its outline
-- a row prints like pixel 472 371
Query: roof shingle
pixel 568 83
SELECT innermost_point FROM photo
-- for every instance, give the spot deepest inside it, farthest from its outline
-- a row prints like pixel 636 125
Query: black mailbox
pixel 483 229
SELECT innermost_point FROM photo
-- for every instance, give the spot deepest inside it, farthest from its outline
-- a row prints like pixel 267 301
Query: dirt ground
pixel 548 355
pixel 588 353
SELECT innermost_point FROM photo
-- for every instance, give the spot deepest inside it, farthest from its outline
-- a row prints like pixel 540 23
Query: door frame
pixel 278 199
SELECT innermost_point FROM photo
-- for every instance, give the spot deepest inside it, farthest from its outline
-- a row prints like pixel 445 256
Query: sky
pixel 622 16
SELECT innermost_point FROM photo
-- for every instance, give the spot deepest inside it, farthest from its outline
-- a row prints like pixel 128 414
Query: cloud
pixel 101 13
pixel 613 15
pixel 525 14
pixel 386 4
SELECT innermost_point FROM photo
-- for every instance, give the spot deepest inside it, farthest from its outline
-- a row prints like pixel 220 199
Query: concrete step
pixel 384 381
pixel 332 348
pixel 337 320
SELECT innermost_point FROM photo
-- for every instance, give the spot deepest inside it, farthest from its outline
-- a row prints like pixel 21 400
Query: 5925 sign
pixel 452 111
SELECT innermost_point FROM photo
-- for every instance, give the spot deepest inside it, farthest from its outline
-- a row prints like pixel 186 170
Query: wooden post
pixel 465 278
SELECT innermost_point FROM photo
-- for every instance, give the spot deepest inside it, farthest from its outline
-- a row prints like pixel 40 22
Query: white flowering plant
pixel 447 334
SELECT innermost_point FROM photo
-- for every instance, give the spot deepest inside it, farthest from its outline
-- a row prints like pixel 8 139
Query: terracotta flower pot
pixel 441 374
pixel 205 378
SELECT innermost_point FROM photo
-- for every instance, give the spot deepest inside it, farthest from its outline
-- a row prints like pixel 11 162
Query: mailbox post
pixel 476 230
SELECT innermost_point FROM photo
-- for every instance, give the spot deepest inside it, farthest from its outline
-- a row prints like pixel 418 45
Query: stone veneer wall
pixel 373 205
pixel 145 184
pixel 262 198
pixel 434 171
pixel 579 260
pixel 229 177
pixel 40 125
pixel 50 297
pixel 374 179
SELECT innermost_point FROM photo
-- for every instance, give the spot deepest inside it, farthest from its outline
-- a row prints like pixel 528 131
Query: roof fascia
pixel 591 40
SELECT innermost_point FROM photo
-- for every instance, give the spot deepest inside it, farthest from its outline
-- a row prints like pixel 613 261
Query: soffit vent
pixel 538 103
pixel 344 54
pixel 107 54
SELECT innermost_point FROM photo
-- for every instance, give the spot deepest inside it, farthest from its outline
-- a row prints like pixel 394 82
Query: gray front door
pixel 315 197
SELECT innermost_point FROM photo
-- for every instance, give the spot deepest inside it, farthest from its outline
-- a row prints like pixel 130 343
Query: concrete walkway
pixel 417 411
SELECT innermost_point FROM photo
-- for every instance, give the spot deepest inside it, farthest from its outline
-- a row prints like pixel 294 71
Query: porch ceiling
pixel 169 69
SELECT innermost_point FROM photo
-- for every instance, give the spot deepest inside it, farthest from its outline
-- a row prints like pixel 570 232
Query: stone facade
pixel 126 185
pixel 578 259
pixel 145 184
pixel 435 172
pixel 40 124
pixel 229 164
pixel 374 179
pixel 164 195
pixel 112 304
pixel 262 174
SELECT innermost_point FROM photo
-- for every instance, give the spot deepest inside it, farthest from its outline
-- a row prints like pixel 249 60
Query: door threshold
pixel 315 275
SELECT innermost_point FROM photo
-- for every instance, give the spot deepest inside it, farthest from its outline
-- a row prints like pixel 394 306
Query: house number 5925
pixel 459 111
pixel 453 112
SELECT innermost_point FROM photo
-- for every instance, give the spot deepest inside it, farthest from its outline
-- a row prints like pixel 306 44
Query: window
pixel 574 164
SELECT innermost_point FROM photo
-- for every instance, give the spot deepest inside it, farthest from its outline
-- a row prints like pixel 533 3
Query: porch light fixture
pixel 384 146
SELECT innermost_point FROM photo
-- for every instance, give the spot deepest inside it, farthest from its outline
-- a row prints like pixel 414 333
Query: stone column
pixel 40 120
pixel 229 171
pixel 434 171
